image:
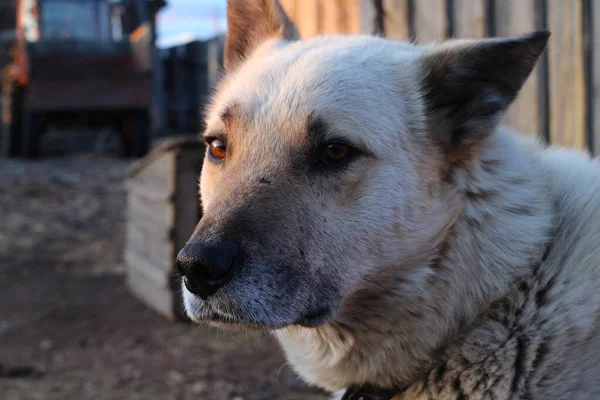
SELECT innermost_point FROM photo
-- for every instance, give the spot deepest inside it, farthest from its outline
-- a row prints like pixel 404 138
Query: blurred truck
pixel 79 65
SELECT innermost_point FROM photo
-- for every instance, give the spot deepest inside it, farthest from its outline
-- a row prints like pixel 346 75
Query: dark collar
pixel 369 392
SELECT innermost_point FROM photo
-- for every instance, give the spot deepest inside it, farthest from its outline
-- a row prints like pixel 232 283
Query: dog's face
pixel 327 163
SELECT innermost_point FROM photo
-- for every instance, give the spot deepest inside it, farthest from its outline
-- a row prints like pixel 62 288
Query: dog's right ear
pixel 250 23
pixel 469 84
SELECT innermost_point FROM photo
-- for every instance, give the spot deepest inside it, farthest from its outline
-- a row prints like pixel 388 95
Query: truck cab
pixel 81 64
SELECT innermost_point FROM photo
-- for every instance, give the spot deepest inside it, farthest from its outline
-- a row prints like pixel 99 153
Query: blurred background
pixel 100 105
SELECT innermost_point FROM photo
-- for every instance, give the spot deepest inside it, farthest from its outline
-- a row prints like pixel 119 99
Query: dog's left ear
pixel 468 85
pixel 250 23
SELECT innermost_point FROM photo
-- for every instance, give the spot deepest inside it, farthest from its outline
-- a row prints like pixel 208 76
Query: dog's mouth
pixel 222 321
pixel 219 319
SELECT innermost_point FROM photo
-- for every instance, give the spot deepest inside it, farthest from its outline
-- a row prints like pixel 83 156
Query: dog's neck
pixel 389 333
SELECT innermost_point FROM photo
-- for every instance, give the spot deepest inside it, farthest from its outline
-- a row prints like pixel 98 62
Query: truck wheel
pixel 11 126
pixel 137 137
pixel 29 135
pixel 7 142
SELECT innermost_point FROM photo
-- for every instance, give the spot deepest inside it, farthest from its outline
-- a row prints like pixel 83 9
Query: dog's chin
pixel 235 326
pixel 207 312
pixel 220 321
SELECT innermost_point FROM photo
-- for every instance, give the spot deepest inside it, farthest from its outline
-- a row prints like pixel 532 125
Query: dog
pixel 364 204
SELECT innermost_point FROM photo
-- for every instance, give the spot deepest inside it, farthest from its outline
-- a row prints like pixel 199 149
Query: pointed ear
pixel 468 85
pixel 251 22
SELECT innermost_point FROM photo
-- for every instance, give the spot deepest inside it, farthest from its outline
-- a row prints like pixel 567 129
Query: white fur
pixel 445 287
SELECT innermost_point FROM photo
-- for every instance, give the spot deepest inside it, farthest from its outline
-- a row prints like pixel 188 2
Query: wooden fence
pixel 561 100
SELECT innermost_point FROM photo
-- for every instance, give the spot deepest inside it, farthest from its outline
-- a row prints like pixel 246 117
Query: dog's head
pixel 328 161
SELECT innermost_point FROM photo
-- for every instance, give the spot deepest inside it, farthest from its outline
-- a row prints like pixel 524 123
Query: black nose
pixel 206 267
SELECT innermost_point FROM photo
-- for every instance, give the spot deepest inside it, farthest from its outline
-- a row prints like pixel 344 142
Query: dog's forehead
pixel 343 80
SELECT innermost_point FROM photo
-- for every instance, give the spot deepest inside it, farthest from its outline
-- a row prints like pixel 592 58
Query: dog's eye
pixel 217 149
pixel 335 153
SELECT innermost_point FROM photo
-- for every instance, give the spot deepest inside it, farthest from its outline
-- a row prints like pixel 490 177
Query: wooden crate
pixel 162 212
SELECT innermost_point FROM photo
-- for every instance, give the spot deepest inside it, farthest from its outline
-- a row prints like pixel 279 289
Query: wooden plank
pixel 150 192
pixel 149 268
pixel 289 6
pixel 145 244
pixel 367 13
pixel 567 87
pixel 396 20
pixel 469 18
pixel 595 31
pixel 360 16
pixel 161 215
pixel 155 210
pixel 157 176
pixel 156 231
pixel 344 23
pixel 308 18
pixel 517 17
pixel 331 23
pixel 155 296
pixel 431 22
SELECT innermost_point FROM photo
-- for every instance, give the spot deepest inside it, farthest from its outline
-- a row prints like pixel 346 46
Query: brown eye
pixel 217 149
pixel 336 152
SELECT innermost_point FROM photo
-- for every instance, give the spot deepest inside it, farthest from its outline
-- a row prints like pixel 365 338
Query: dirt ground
pixel 69 329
